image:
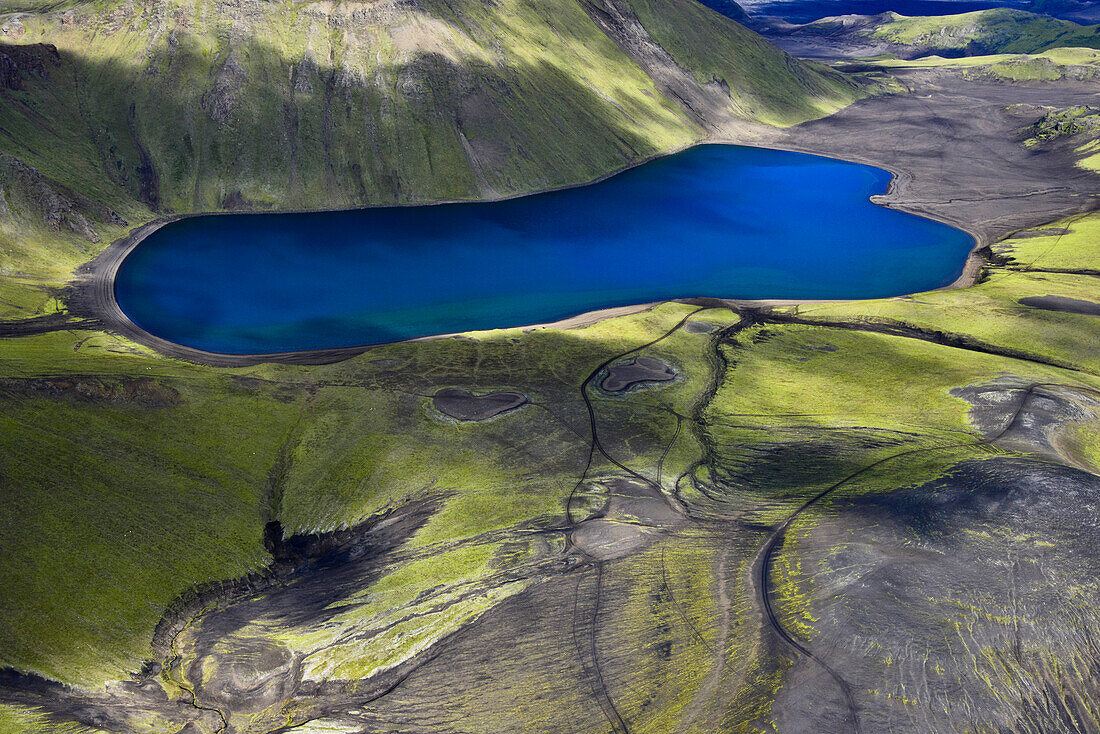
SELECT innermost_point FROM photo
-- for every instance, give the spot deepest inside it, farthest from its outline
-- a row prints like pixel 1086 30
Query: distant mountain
pixel 1082 11
pixel 807 11
pixel 984 32
pixel 727 8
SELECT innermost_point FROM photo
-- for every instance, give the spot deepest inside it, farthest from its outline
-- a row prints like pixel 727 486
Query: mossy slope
pixel 999 30
pixel 152 108
pixel 979 33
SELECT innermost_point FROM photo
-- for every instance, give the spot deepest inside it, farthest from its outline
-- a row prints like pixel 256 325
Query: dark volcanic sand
pixel 957 152
pixel 1063 304
pixel 637 371
pixel 463 405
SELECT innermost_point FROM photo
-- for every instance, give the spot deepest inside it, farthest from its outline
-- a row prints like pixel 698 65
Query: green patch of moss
pixel 17 720
pixel 999 30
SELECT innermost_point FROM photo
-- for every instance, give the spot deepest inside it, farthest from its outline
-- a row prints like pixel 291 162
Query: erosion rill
pixel 706 515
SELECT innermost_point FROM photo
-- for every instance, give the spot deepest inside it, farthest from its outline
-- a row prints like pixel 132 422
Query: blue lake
pixel 716 220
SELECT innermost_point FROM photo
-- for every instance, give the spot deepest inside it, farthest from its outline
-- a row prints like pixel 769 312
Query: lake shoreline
pixel 92 294
pixel 849 135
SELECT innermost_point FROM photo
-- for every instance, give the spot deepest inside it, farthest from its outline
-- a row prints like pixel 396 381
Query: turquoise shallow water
pixel 716 220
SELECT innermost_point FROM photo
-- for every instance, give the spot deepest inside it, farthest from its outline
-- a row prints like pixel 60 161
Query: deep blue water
pixel 725 221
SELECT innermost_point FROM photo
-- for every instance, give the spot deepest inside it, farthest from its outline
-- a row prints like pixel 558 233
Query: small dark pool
pixel 716 220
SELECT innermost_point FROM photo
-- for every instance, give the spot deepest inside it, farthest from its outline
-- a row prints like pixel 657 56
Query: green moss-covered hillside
pixel 148 108
pixel 980 33
pixel 999 30
pixel 1074 64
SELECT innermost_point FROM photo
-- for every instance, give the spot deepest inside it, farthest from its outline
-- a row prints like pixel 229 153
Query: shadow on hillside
pixel 252 130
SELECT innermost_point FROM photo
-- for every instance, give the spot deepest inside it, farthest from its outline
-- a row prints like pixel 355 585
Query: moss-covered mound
pixel 1000 30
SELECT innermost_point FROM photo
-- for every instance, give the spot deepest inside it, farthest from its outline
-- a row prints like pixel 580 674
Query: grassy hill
pixel 984 32
pixel 1080 125
pixel 1077 64
pixel 148 108
pixel 1000 30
